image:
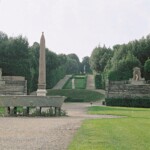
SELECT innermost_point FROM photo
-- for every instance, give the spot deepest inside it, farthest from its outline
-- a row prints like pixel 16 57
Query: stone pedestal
pixel 38 110
pixel 41 92
pixel 25 111
pixel 139 82
pixel 6 111
pixel 11 111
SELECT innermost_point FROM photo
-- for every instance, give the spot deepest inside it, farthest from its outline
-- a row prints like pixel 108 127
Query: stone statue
pixel 73 85
pixel 84 69
pixel 136 74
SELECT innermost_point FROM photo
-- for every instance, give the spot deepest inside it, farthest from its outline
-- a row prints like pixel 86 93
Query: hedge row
pixel 77 95
pixel 98 81
pixel 136 102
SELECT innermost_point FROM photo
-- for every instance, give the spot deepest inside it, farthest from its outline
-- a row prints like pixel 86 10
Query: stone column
pixel 11 111
pixel 42 69
pixel 38 110
pixel 6 111
pixel 25 111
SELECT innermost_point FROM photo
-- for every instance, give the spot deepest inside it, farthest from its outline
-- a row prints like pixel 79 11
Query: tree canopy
pixel 17 58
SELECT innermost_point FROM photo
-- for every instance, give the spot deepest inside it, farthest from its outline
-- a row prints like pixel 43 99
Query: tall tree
pixel 85 65
pixel 99 58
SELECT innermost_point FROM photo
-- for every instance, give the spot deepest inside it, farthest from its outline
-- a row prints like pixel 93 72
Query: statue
pixel 73 85
pixel 136 74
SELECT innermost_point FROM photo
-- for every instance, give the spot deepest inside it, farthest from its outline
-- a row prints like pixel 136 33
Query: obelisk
pixel 42 69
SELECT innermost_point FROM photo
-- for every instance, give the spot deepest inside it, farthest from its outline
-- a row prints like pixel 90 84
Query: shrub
pixel 129 102
pixel 80 82
pixel 147 69
pixel 98 81
pixel 77 95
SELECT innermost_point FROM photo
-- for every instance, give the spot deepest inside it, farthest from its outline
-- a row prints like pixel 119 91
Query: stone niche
pixel 135 87
pixel 137 79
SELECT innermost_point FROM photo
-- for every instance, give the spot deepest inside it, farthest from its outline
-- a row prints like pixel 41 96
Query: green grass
pixel 1 110
pixel 68 84
pixel 77 95
pixel 128 133
pixel 121 111
pixel 80 82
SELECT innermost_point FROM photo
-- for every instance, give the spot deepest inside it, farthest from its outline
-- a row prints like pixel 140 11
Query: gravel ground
pixel 39 133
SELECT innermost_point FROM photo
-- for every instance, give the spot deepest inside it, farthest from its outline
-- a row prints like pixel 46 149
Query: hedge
pixel 98 81
pixel 129 102
pixel 77 95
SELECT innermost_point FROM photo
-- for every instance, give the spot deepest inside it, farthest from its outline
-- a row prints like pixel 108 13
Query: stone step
pixel 62 82
pixel 11 88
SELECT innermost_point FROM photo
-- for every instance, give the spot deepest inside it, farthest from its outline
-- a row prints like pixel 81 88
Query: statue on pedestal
pixel 136 74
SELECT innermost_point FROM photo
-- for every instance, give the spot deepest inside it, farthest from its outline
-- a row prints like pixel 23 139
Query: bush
pixel 80 82
pixel 98 81
pixel 147 69
pixel 77 95
pixel 129 102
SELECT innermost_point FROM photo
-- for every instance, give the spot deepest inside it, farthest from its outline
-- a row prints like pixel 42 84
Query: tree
pixel 3 36
pixel 85 65
pixel 72 66
pixel 34 65
pixel 147 69
pixel 74 56
pixel 124 68
pixel 99 58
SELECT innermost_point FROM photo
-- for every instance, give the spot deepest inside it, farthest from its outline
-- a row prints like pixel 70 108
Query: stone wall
pixel 122 89
pixel 13 85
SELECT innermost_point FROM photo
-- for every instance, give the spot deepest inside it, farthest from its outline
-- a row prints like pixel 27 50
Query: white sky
pixel 76 26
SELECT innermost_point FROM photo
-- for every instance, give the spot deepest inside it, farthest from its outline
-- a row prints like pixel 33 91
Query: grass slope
pixel 129 133
pixel 77 95
pixel 80 82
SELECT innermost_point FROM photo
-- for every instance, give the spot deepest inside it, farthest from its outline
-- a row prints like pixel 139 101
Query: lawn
pixel 128 133
pixel 80 82
pixel 1 111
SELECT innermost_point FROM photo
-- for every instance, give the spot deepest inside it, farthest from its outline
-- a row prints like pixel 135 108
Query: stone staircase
pixel 90 82
pixel 62 82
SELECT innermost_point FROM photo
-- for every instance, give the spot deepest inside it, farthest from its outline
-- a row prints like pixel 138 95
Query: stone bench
pixel 10 103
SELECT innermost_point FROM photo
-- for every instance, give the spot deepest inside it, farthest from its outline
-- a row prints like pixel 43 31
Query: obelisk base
pixel 41 92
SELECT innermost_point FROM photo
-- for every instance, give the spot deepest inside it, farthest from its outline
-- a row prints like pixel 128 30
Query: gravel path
pixel 39 133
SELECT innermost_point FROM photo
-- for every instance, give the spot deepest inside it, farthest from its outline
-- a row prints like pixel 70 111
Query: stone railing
pixel 10 103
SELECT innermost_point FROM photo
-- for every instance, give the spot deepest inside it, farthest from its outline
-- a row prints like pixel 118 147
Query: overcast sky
pixel 76 26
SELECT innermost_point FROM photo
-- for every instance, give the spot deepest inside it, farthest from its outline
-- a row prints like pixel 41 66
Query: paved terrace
pixel 40 133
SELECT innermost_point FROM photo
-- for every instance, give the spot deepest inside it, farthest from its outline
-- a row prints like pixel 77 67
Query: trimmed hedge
pixel 77 95
pixel 80 82
pixel 98 81
pixel 136 102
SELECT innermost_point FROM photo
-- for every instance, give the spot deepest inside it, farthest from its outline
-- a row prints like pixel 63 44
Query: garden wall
pixel 121 89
